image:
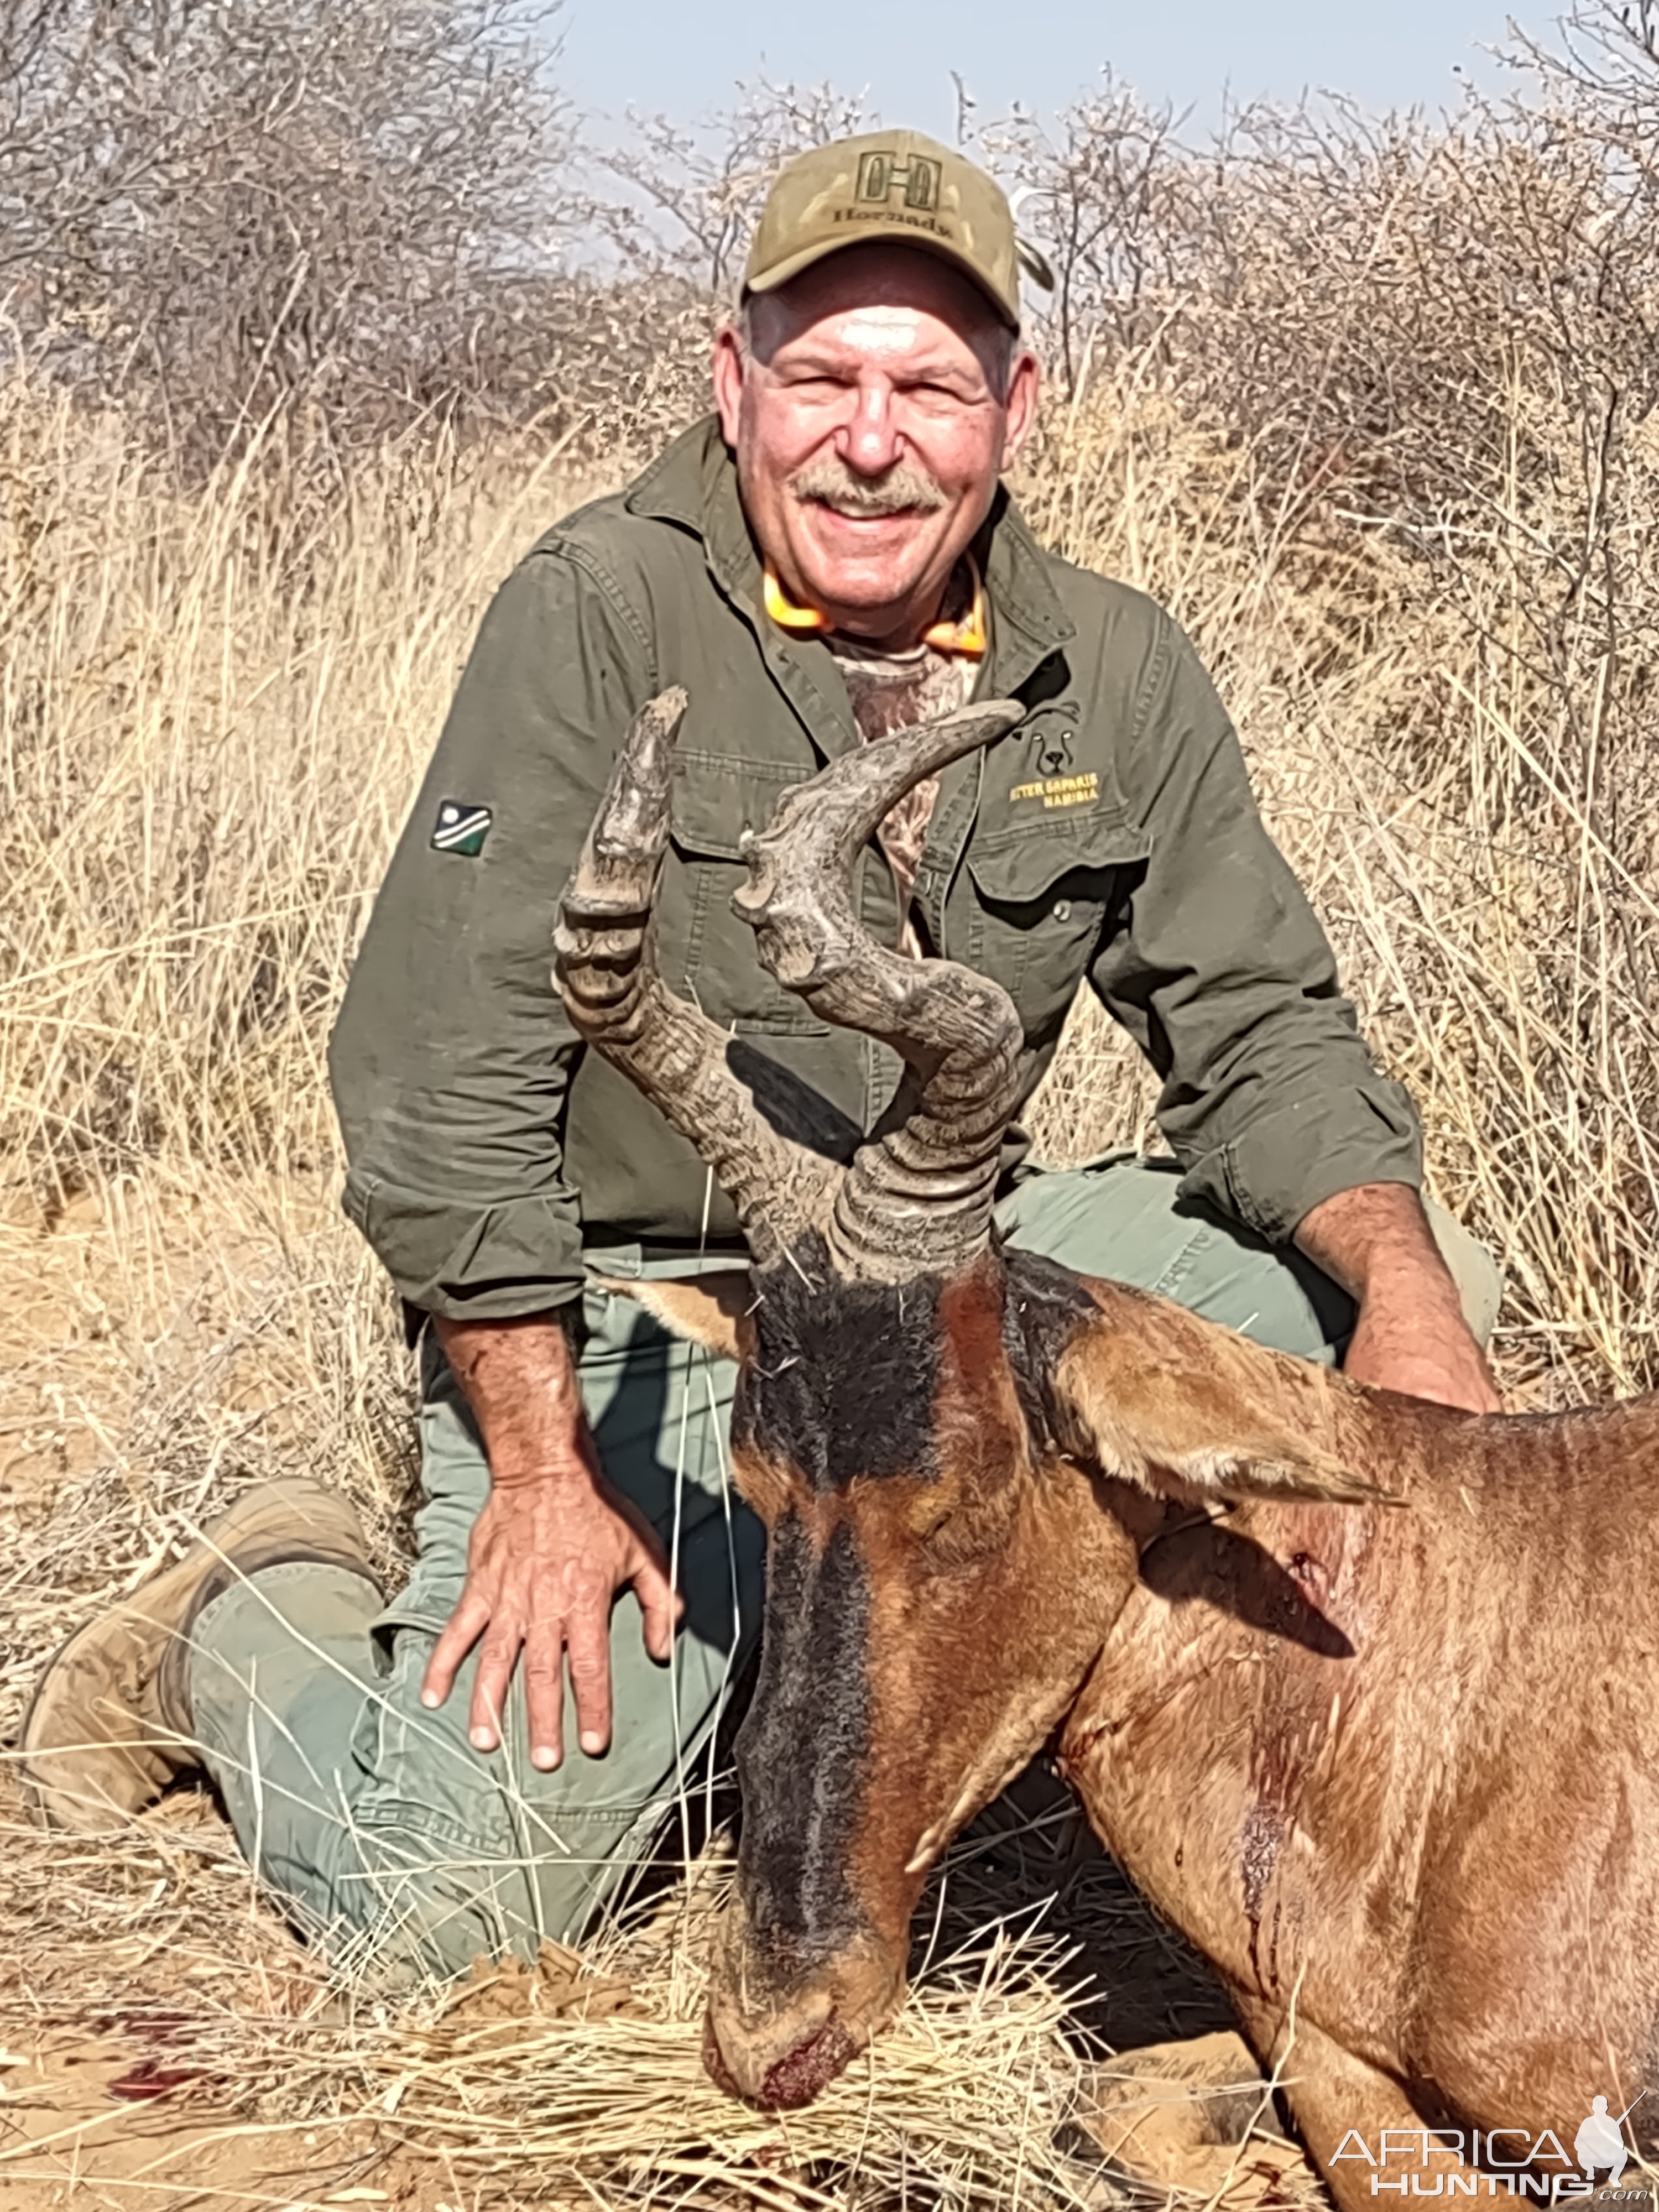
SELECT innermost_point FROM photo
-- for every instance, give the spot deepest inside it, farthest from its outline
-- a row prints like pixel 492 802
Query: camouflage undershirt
pixel 891 691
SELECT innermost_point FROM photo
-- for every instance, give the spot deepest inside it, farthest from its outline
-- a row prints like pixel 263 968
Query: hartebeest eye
pixel 966 1529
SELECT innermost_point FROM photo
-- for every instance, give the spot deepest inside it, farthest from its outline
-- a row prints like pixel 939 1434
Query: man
pixel 830 559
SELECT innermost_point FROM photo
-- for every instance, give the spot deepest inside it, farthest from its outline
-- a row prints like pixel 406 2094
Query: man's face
pixel 877 405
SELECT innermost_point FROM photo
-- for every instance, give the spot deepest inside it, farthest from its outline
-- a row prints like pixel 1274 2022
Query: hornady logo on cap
pixel 879 173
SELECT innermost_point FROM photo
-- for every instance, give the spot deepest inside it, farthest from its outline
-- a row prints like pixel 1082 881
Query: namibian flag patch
pixel 461 827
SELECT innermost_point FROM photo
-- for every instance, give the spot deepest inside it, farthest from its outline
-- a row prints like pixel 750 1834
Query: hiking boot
pixel 109 1725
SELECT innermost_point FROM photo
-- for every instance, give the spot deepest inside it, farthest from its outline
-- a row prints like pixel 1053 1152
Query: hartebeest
pixel 1358 1689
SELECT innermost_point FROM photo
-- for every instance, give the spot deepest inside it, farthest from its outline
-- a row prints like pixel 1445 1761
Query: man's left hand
pixel 1411 1335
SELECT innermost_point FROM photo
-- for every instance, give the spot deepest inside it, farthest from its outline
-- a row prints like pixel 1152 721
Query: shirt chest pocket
pixel 706 953
pixel 1041 903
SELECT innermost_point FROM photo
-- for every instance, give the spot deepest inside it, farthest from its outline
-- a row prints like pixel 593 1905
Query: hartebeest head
pixel 933 1429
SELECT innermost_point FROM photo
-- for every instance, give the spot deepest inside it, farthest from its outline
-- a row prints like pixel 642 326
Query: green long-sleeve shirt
pixel 1112 835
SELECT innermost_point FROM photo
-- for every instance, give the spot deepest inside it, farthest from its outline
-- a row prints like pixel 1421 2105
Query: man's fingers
pixel 587 1645
pixel 497 1658
pixel 544 1680
pixel 661 1606
pixel 648 1572
pixel 547 1594
pixel 460 1632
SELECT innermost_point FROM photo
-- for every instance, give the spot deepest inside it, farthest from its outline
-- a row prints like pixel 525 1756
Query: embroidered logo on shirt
pixel 1060 790
pixel 1050 731
pixel 461 827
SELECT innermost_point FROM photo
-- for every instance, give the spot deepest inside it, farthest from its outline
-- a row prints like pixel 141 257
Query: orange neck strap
pixel 970 636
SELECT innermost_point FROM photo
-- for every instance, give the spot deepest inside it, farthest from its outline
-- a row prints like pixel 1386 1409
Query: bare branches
pixel 691 195
pixel 222 209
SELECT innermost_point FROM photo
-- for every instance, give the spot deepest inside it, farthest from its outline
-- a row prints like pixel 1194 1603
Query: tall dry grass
pixel 215 697
pixel 1499 945
pixel 215 705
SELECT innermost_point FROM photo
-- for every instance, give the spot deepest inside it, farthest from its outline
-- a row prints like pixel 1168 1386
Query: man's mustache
pixel 905 488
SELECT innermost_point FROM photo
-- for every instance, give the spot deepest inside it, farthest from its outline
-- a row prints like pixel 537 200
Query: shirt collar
pixel 969 636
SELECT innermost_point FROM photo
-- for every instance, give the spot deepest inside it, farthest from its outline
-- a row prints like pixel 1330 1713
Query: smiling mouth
pixel 864 515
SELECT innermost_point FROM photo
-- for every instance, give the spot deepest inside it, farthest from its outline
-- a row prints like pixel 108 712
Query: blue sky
pixel 683 56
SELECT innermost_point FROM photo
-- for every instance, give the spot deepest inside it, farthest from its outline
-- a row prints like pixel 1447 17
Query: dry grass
pixel 1500 943
pixel 212 711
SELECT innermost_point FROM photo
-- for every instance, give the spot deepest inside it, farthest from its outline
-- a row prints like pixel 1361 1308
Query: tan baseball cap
pixel 886 185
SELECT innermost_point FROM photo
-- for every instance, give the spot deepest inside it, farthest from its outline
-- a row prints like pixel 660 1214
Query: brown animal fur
pixel 1396 1772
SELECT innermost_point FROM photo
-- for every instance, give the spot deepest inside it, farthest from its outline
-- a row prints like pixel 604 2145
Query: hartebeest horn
pixel 918 1195
pixel 605 962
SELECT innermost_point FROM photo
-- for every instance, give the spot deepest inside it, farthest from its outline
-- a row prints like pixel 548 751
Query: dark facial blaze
pixel 843 1381
pixel 805 1732
pixel 865 1412
pixel 838 1388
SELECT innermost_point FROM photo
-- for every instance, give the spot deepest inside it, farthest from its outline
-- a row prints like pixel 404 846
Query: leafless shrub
pixel 237 213
pixel 1404 375
pixel 669 208
pixel 691 195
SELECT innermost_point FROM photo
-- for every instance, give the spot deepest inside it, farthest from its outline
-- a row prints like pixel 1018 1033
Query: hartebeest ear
pixel 1176 1405
pixel 708 1309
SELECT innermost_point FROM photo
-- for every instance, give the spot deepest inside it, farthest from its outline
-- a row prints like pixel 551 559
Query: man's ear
pixel 706 1310
pixel 730 369
pixel 1181 1406
pixel 1024 378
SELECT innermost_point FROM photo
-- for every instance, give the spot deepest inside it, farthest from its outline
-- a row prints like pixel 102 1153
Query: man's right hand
pixel 552 1547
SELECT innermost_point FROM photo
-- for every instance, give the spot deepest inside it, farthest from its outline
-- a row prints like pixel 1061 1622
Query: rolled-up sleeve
pixel 452 1058
pixel 1221 972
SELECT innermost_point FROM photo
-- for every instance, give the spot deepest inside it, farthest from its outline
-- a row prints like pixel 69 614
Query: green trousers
pixel 386 1833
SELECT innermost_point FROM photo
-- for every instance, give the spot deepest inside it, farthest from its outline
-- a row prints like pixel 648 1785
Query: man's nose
pixel 870 442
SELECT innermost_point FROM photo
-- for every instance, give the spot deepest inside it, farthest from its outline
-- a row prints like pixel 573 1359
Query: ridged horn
pixel 919 1194
pixel 607 967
